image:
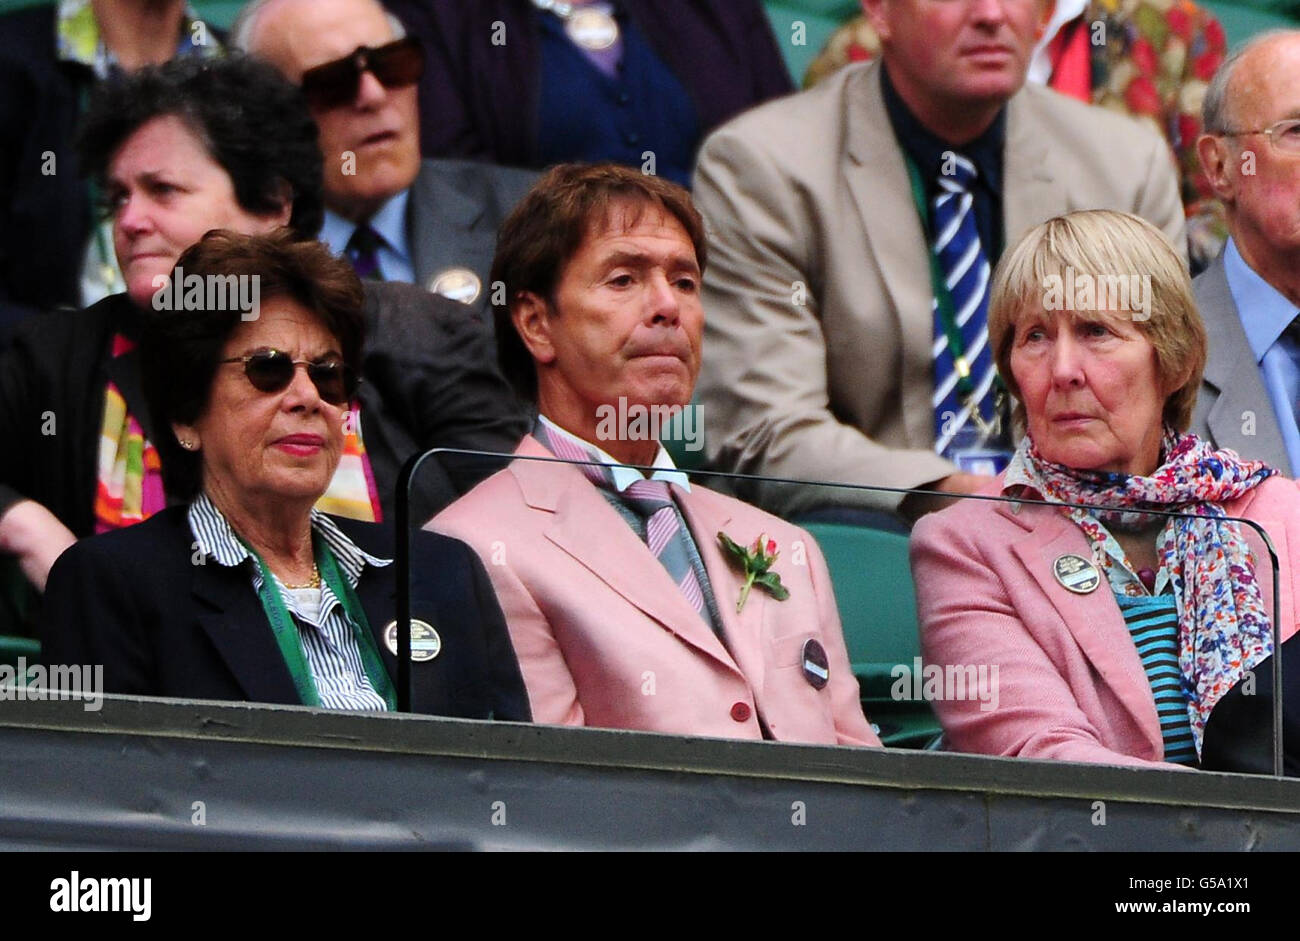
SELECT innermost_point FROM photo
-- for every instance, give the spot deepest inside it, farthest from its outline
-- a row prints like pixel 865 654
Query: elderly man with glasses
pixel 396 217
pixel 1249 297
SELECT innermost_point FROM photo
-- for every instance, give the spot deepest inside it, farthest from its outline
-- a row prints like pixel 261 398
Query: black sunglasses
pixel 272 371
pixel 335 83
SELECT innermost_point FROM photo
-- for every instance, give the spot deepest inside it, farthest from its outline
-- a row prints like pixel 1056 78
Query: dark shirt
pixel 927 151
pixel 584 114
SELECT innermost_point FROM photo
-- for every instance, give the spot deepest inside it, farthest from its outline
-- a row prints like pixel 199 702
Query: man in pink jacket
pixel 638 602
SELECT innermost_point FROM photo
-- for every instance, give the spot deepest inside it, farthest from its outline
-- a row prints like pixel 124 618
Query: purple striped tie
pixel 650 499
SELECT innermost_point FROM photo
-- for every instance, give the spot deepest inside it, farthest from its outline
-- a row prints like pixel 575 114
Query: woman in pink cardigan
pixel 1107 634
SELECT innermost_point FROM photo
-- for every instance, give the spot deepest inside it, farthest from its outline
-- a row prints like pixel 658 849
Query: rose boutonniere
pixel 755 562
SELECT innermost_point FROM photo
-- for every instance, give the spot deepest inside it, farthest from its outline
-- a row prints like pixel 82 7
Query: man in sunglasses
pixel 1250 151
pixel 396 217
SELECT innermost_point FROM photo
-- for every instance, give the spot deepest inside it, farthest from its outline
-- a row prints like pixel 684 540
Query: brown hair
pixel 1104 244
pixel 547 227
pixel 180 349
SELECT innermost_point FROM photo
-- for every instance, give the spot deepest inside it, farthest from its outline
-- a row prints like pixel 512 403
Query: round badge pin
pixel 1076 574
pixel 592 29
pixel 816 668
pixel 458 284
pixel 425 642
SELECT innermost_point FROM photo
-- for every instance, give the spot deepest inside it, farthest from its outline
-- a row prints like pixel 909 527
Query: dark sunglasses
pixel 272 371
pixel 335 83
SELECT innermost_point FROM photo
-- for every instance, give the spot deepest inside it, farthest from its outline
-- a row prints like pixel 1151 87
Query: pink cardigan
pixel 1070 684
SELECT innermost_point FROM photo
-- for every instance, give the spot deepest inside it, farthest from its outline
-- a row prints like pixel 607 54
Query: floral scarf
pixel 1223 623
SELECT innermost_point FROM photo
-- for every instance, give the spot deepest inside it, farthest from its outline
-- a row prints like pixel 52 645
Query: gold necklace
pixel 313 583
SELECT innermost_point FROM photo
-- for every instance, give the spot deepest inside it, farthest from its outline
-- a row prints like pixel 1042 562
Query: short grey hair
pixel 1215 109
pixel 242 30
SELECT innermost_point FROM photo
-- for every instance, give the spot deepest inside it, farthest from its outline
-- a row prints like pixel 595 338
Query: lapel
pixel 1030 192
pixel 744 631
pixel 594 535
pixel 877 177
pixel 1092 619
pixel 439 218
pixel 232 617
pixel 1232 372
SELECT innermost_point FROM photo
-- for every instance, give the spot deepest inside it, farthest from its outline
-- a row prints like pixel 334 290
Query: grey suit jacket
pixel 818 328
pixel 452 217
pixel 430 380
pixel 1232 400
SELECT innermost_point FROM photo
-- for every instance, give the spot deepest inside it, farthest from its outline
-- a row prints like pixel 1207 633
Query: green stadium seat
pixel 674 442
pixel 873 588
pixel 11 648
pixel 811 21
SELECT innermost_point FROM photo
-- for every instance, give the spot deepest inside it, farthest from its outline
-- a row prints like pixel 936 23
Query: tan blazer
pixel 817 296
pixel 605 638
pixel 1070 682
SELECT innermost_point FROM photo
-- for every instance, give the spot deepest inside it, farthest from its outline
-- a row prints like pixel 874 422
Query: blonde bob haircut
pixel 1104 246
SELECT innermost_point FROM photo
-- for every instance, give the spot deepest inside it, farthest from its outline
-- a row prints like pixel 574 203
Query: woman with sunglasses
pixel 178 150
pixel 246 591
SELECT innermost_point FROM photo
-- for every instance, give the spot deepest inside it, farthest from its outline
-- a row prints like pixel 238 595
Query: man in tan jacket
pixel 827 354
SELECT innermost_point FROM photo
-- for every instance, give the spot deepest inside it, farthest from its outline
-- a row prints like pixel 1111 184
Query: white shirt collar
pixel 623 475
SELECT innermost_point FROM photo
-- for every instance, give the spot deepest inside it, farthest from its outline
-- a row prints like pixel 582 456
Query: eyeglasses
pixel 1284 135
pixel 272 371
pixel 335 83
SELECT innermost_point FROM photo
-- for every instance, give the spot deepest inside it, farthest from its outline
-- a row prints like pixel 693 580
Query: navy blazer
pixel 135 601
pixel 479 97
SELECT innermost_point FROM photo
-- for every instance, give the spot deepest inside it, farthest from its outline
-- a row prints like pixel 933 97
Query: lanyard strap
pixel 286 634
pixel 942 296
pixel 365 638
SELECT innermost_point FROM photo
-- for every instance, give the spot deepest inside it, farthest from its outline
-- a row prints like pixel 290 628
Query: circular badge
pixel 425 642
pixel 816 668
pixel 458 284
pixel 1076 574
pixel 592 29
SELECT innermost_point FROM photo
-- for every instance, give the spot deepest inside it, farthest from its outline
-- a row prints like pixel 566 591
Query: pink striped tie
pixel 652 501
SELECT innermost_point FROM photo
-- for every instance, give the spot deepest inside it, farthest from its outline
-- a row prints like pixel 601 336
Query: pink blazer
pixel 1070 682
pixel 605 638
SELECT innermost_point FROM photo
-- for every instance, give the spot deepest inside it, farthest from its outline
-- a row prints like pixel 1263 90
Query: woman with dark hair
pixel 250 592
pixel 179 150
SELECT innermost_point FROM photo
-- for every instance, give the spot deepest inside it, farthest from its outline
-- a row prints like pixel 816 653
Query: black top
pixel 44 217
pixel 927 151
pixel 134 601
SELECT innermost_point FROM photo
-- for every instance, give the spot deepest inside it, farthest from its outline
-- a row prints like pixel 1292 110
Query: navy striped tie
pixel 363 251
pixel 965 269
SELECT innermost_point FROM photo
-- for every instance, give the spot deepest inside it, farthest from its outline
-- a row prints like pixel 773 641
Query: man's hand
pixel 916 505
pixel 36 537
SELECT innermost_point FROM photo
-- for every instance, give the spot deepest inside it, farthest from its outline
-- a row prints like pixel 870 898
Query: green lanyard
pixel 943 300
pixel 289 641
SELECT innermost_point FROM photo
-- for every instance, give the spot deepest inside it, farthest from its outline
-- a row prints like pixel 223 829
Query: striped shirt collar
pixel 217 540
pixel 623 475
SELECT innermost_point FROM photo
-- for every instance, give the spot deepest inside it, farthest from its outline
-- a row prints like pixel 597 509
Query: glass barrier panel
pixel 995 626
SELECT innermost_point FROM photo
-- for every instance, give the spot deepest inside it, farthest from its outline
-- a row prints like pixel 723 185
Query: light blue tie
pixel 965 269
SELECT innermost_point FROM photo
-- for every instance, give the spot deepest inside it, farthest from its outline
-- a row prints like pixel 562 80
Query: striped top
pixel 328 642
pixel 1152 621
